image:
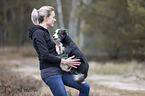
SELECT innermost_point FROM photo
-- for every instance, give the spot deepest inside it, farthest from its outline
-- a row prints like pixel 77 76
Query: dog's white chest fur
pixel 60 49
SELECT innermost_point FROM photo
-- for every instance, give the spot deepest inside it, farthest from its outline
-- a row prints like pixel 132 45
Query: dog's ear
pixel 66 31
pixel 63 34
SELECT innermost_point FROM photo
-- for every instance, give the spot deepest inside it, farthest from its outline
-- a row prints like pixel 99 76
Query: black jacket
pixel 44 46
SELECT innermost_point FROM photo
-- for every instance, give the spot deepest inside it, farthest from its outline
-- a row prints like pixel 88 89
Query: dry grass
pixel 25 51
pixel 127 69
pixel 12 84
pixel 111 68
pixel 100 90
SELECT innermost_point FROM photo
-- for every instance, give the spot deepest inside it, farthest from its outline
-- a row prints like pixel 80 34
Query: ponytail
pixel 35 16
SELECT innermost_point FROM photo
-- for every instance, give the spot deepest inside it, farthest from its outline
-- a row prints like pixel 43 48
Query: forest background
pixel 103 28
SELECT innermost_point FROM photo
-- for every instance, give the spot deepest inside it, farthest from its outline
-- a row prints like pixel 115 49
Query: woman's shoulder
pixel 39 32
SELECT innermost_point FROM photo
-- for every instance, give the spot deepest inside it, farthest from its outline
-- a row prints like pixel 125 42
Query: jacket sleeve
pixel 43 52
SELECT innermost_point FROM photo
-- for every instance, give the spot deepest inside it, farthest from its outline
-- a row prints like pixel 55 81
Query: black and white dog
pixel 71 49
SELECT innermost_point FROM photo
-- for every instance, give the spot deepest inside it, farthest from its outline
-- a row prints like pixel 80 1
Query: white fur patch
pixel 78 77
pixel 55 36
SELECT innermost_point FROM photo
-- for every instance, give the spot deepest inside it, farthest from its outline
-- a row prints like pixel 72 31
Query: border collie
pixel 71 49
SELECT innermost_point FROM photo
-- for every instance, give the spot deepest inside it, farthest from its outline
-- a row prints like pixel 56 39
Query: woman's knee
pixel 85 88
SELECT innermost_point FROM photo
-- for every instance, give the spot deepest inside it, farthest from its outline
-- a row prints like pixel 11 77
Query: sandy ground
pixel 101 85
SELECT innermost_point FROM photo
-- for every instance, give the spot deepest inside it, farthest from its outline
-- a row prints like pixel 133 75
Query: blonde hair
pixel 37 16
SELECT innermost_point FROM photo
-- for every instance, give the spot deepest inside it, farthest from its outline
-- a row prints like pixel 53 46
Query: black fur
pixel 71 49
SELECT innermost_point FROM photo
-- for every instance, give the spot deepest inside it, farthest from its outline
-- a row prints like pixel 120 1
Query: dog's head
pixel 59 34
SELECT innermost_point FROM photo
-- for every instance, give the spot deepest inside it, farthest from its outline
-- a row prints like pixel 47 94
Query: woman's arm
pixel 41 48
pixel 45 55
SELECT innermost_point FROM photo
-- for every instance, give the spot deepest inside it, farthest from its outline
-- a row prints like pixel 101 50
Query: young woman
pixel 51 73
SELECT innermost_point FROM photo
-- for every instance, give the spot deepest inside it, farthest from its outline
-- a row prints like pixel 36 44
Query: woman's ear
pixel 45 18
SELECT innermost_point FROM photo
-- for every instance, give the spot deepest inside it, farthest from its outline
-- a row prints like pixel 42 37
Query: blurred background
pixel 101 28
pixel 109 32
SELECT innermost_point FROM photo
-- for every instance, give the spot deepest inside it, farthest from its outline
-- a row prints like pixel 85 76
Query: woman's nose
pixel 54 19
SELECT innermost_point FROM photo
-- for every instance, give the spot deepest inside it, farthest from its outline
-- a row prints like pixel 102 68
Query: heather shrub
pixel 12 84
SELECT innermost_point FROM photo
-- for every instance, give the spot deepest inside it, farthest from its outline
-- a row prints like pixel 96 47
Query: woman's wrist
pixel 63 61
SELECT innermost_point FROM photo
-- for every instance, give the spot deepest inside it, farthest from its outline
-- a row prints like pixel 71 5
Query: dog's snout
pixel 55 37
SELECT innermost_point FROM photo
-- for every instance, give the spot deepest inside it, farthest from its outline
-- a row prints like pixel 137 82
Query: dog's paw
pixel 57 49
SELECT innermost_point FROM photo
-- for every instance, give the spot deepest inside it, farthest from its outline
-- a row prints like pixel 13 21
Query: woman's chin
pixel 50 25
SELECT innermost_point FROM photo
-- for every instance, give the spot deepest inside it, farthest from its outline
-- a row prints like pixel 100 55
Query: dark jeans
pixel 56 84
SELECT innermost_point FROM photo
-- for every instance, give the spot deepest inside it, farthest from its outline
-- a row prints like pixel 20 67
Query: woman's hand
pixel 71 62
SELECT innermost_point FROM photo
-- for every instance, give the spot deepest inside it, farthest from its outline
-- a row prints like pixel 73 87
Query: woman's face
pixel 51 19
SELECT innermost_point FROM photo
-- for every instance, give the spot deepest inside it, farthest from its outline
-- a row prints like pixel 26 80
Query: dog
pixel 71 49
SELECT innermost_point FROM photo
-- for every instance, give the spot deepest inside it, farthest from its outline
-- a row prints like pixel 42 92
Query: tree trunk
pixel 60 14
pixel 73 24
pixel 22 33
pixel 5 21
pixel 13 11
pixel 82 24
pixel 81 35
pixel 5 12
